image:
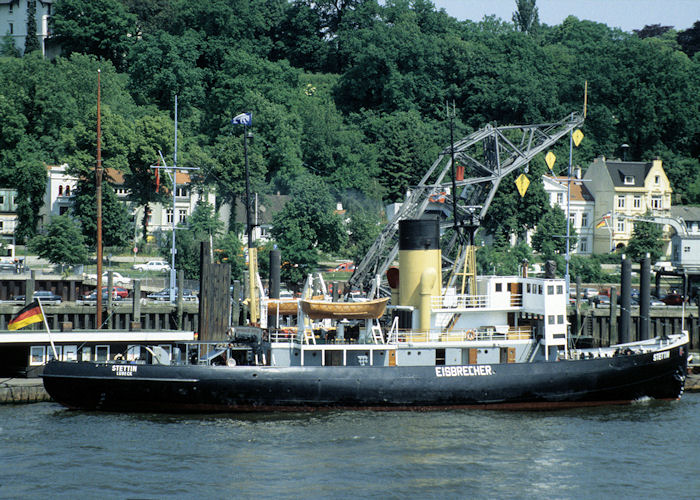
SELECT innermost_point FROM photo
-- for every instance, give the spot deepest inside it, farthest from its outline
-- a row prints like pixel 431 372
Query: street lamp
pixel 624 147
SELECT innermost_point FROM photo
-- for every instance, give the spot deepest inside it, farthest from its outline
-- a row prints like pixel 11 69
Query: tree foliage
pixel 62 243
pixel 646 238
pixel 32 41
pixel 350 91
pixel 550 237
pixel 307 225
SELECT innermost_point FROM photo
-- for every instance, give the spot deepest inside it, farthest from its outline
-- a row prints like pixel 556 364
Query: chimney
pixel 578 172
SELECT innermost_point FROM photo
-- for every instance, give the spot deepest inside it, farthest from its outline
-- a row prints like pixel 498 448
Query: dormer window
pixel 629 180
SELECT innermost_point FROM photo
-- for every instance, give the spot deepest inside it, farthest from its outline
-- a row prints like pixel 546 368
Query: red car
pixel 116 290
pixel 345 267
pixel 673 299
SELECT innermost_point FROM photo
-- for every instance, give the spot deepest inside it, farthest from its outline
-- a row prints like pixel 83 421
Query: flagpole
pixel 46 324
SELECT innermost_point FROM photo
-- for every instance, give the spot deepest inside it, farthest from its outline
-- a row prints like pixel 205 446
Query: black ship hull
pixel 158 388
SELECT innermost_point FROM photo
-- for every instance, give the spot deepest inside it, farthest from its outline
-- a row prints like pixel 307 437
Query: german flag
pixel 30 314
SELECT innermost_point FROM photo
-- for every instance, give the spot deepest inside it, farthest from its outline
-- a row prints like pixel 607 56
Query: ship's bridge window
pixel 36 355
pixel 560 319
pixel 551 319
pixel 550 289
pixel 560 289
pixel 539 289
pixel 499 287
pixel 529 288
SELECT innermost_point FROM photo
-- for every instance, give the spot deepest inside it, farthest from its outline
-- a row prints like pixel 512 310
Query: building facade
pixel 581 207
pixel 13 22
pixel 8 221
pixel 623 190
pixel 61 185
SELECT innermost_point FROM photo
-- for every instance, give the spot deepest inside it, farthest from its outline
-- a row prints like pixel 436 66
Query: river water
pixel 645 450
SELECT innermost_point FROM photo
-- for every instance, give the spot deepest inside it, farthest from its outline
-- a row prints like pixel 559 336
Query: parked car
pixel 673 299
pixel 117 278
pixel 589 293
pixel 601 301
pixel 345 267
pixel 153 265
pixel 45 296
pixel 117 291
pixel 164 294
pixel 92 296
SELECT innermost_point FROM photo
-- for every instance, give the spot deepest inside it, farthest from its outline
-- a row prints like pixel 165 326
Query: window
pixel 12 26
pixel 60 190
pixel 70 353
pixel 529 288
pixel 62 210
pixel 583 245
pixel 550 289
pixel 133 353
pixel 2 225
pixel 657 179
pixel 499 287
pixel 183 216
pixel 86 354
pixel 560 319
pixel 169 213
pixel 67 190
pixel 101 353
pixel 2 200
pixel 621 226
pixel 560 198
pixel 560 289
pixel 539 289
pixel 551 319
pixel 36 355
pixel 629 180
pixel 656 203
pixel 59 353
pixel 620 202
pixel 572 220
pixel 584 219
pixel 637 203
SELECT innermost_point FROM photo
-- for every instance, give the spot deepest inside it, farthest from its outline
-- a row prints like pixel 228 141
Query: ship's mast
pixel 98 198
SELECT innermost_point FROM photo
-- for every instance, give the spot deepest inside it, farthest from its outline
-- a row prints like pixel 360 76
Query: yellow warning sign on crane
pixel 522 183
pixel 549 159
pixel 577 136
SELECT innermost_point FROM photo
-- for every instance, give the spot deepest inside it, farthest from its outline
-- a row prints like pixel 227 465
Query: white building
pixel 61 186
pixel 13 21
pixel 581 208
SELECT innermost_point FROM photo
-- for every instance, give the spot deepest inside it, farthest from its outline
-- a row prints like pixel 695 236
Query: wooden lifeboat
pixel 287 307
pixel 319 309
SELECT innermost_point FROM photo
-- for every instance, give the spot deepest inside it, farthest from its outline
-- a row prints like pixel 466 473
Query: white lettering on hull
pixel 662 355
pixel 124 370
pixel 463 371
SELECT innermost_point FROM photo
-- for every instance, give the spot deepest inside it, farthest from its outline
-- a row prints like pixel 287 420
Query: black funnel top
pixel 419 234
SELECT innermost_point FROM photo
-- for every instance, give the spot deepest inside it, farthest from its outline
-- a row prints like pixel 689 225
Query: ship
pixel 504 344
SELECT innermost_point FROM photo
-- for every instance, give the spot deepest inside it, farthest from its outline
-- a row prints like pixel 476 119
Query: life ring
pixel 470 335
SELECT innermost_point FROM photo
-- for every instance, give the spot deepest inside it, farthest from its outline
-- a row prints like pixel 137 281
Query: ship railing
pixel 467 301
pixel 470 335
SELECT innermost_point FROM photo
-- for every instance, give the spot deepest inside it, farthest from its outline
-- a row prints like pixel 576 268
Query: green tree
pixel 363 229
pixel 32 41
pixel 526 18
pixel 647 237
pixel 62 244
pixel 550 237
pixel 117 229
pixel 229 250
pixel 8 47
pixel 103 28
pixel 305 225
pixel 204 221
